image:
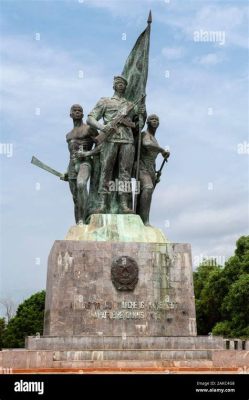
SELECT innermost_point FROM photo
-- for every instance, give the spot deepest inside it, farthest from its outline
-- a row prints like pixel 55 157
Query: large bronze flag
pixel 136 66
pixel 136 73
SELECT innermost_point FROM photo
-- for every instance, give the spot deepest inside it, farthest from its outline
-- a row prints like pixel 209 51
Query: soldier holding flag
pixel 120 144
pixel 118 149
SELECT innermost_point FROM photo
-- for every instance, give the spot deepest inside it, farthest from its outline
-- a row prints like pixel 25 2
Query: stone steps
pixel 136 365
pixel 123 343
pixel 143 355
pixel 111 360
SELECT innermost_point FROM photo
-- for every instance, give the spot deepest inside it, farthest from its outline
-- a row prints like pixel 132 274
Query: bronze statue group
pixel 107 151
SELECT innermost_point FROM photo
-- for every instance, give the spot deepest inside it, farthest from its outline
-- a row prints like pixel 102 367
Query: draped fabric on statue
pixel 136 72
pixel 136 66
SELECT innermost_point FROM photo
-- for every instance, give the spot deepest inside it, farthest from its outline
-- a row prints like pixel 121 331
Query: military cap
pixel 120 77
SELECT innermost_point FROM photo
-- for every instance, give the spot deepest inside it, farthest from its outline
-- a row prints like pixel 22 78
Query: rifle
pixel 119 119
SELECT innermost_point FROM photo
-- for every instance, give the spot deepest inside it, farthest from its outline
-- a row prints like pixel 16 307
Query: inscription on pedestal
pixel 129 309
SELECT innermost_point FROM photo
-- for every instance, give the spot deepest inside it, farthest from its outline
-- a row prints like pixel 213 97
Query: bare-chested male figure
pixel 80 138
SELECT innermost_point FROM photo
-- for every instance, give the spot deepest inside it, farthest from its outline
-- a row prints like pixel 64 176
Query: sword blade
pixel 41 165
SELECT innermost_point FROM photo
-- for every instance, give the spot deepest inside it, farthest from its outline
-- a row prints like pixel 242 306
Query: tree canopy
pixel 2 331
pixel 27 321
pixel 222 294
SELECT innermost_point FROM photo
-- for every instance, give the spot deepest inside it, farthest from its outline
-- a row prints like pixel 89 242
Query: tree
pixel 222 328
pixel 27 321
pixel 208 294
pixel 222 294
pixel 9 308
pixel 236 305
pixel 2 331
pixel 202 273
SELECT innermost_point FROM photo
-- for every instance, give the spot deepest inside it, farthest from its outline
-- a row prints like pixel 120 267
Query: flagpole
pixel 140 125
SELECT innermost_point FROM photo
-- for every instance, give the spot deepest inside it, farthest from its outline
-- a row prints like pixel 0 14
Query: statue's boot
pixel 145 202
pixel 102 205
pixel 124 208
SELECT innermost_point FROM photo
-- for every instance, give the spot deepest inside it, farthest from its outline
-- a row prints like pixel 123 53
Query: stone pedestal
pixel 116 228
pixel 118 295
pixel 120 298
pixel 118 288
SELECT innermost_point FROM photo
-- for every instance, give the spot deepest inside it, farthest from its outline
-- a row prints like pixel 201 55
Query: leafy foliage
pixel 222 294
pixel 27 321
pixel 2 331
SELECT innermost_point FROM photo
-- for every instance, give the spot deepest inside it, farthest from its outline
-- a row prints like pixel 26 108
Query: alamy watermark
pixel 124 186
pixel 243 148
pixel 6 370
pixel 37 111
pixel 210 111
pixel 210 36
pixel 6 149
pixel 210 186
pixel 24 386
pixel 167 73
pixel 37 261
pixel 167 223
pixel 209 260
pixel 243 370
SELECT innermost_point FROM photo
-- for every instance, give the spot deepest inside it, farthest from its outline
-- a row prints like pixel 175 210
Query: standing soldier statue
pixel 80 138
pixel 148 176
pixel 117 148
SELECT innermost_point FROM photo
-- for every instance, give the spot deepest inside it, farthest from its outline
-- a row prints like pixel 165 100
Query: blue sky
pixel 198 89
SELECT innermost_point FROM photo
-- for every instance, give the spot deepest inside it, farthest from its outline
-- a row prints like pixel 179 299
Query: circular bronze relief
pixel 124 273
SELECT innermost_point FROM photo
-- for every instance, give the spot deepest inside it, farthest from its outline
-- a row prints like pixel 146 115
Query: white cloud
pixel 173 53
pixel 194 16
pixel 187 17
pixel 214 248
pixel 210 59
pixel 123 7
pixel 49 79
pixel 211 221
pixel 220 17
